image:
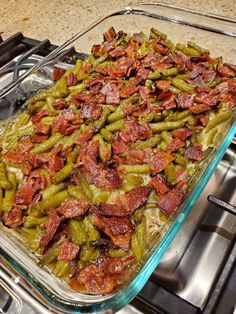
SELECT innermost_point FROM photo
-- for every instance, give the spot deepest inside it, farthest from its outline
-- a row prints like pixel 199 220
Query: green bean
pixel 68 141
pixel 117 253
pixel 85 187
pixel 102 120
pixel 138 214
pixel 188 51
pixel 136 247
pixel 38 105
pixel 154 75
pixel 166 125
pixel 148 118
pixel 1 200
pixel 141 232
pixel 46 145
pixel 115 126
pixel 78 233
pixel 62 269
pixel 78 66
pixel 93 234
pixel 117 115
pixel 31 221
pixel 151 142
pixel 143 49
pixel 88 253
pixel 211 136
pixel 51 254
pixel 218 119
pixel 198 48
pixel 99 195
pixel 22 120
pixel 131 181
pixel 76 192
pixel 52 190
pixel 107 135
pixel 157 34
pixel 130 100
pixel 170 173
pixel 4 181
pixel 179 115
pixel 170 72
pixel 64 173
pixel 47 120
pixel 104 148
pixel 40 208
pixel 180 84
pixel 99 60
pixel 166 137
pixel 32 237
pixel 144 168
pixel 77 88
pixel 180 160
pixel 49 105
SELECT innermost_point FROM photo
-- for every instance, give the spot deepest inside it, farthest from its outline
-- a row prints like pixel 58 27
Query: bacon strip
pixel 194 152
pixel 69 251
pixel 119 229
pixel 168 202
pixel 73 208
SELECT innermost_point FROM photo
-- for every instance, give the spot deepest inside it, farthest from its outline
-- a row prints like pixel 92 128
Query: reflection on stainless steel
pixel 192 263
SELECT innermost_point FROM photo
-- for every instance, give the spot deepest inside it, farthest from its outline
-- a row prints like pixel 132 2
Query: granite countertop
pixel 58 20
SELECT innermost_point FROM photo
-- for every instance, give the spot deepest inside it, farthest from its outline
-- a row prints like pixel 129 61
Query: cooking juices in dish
pixel 92 170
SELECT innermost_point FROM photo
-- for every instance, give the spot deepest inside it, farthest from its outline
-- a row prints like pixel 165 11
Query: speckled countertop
pixel 58 20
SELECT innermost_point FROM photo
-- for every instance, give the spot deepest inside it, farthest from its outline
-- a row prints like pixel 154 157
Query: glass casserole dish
pixel 180 26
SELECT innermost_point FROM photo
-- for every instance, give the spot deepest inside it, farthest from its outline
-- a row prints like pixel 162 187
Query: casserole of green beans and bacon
pixel 94 167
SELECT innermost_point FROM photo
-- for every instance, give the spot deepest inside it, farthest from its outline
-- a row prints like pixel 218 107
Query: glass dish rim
pixel 139 281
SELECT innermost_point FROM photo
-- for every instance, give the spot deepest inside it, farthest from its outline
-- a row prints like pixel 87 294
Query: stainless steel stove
pixel 198 272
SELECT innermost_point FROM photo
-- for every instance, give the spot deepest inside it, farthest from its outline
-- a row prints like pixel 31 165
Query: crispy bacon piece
pixel 110 34
pixel 14 156
pixel 182 133
pixel 225 70
pixel 41 128
pixel 39 115
pixel 85 137
pixel 60 104
pixel 180 59
pixel 182 175
pixel 126 204
pixel 184 100
pixel 103 277
pixel 160 161
pixel 119 229
pixel 90 110
pixel 128 90
pixel 57 73
pixel 133 157
pixel 194 152
pixel 134 131
pixel 39 138
pixel 97 50
pixel 196 109
pixel 175 144
pixel 69 251
pixel 50 229
pixel 113 97
pixel 54 164
pixel 207 96
pixel 102 177
pixel 14 218
pixel 71 79
pixel 159 46
pixel 73 208
pixel 150 61
pixel 197 70
pixel 168 202
pixel 141 75
pixel 119 147
pixel 160 185
pixel 120 68
pixel 25 144
pixel 163 85
pixel 117 52
pixel 63 120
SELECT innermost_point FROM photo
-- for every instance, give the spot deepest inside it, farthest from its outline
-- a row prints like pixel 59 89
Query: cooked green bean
pixel 107 135
pixel 4 181
pixel 93 234
pixel 51 190
pixel 218 119
pixel 145 168
pixel 64 173
pixel 157 34
pixel 179 115
pixel 166 125
pixel 46 145
pixel 151 142
pixel 77 192
pixel 180 84
pixel 78 233
pixel 170 72
pixel 40 208
pixel 198 48
pixel 188 51
pixel 88 253
pixel 31 221
pixel 102 120
pixel 136 247
pixel 51 254
pixel 116 126
pixel 62 269
pixel 85 187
